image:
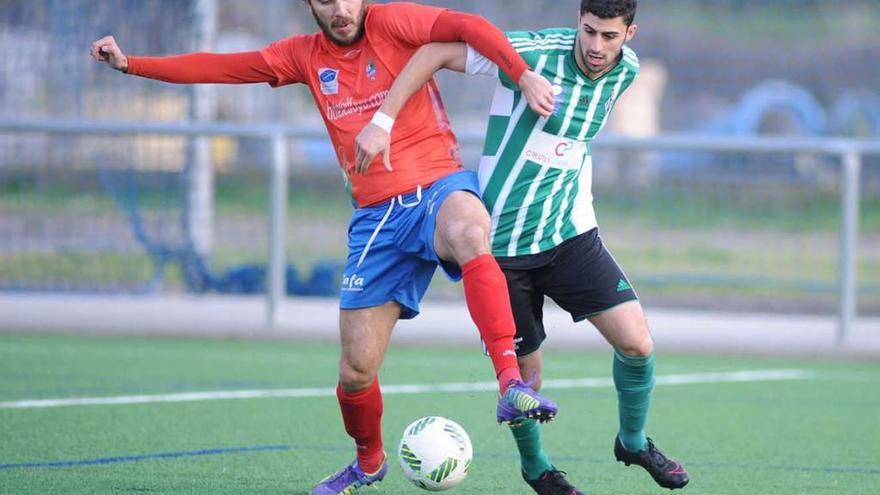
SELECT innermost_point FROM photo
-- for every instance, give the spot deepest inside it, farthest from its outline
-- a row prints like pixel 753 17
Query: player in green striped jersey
pixel 535 177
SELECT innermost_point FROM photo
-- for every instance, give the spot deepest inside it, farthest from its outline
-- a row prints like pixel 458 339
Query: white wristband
pixel 383 121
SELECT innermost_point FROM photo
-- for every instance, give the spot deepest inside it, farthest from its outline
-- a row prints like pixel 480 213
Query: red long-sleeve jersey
pixel 349 83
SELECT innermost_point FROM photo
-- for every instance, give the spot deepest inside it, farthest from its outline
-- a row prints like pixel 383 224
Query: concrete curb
pixel 439 323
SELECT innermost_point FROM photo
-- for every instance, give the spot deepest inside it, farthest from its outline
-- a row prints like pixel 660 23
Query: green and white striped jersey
pixel 536 173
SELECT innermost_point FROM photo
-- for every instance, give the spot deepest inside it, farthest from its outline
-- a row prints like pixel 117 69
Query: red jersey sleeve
pixel 405 23
pixel 286 59
pixel 481 34
pixel 191 68
pixel 414 25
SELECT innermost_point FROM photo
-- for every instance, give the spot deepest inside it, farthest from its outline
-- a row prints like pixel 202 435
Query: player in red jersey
pixel 416 206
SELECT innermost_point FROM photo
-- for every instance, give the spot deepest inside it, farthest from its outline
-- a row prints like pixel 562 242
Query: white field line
pixel 680 379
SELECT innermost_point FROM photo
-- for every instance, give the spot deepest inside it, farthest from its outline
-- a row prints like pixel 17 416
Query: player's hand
pixel 371 141
pixel 106 50
pixel 538 92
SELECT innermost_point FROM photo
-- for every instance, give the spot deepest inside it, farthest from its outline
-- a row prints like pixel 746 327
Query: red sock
pixel 362 415
pixel 485 290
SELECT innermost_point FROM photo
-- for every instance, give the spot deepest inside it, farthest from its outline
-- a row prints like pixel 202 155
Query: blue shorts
pixel 391 254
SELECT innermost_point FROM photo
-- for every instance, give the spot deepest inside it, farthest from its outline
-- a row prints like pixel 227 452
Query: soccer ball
pixel 435 453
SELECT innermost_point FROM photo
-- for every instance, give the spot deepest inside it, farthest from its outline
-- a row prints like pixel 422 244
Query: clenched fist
pixel 106 50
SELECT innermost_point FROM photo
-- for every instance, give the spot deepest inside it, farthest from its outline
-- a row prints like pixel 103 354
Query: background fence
pixel 708 53
pixel 143 212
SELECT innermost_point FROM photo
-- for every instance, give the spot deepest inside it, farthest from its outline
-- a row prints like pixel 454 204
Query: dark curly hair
pixel 609 9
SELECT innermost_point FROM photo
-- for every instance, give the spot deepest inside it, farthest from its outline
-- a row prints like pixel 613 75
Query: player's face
pixel 600 42
pixel 342 21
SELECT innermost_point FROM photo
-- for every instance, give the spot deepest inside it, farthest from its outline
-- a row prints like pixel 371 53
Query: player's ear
pixel 631 32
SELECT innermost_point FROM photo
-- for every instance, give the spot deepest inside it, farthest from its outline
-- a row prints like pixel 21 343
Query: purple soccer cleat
pixel 349 480
pixel 520 401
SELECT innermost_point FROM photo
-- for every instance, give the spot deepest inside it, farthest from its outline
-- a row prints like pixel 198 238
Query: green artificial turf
pixel 812 435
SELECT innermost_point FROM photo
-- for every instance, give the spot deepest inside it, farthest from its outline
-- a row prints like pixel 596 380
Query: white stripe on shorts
pixel 375 233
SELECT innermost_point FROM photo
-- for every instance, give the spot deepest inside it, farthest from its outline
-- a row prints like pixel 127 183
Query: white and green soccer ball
pixel 435 453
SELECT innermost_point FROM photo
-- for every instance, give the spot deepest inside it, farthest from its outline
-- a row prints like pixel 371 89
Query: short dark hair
pixel 609 9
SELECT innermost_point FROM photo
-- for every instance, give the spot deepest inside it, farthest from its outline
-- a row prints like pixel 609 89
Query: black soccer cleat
pixel 552 482
pixel 666 472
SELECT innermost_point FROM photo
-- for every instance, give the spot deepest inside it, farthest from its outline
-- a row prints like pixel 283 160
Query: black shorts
pixel 580 275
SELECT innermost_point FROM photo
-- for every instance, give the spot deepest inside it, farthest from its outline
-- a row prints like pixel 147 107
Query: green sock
pixel 634 381
pixel 528 440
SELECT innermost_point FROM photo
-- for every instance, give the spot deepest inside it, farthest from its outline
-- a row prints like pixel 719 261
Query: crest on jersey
pixel 371 70
pixel 329 80
pixel 609 104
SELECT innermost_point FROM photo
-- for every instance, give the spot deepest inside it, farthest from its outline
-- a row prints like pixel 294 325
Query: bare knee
pixel 462 228
pixel 354 377
pixel 467 241
pixel 364 335
pixel 642 347
pixel 626 329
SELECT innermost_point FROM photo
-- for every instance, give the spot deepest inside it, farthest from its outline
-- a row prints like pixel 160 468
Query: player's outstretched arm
pixel 489 41
pixel 191 68
pixel 375 138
